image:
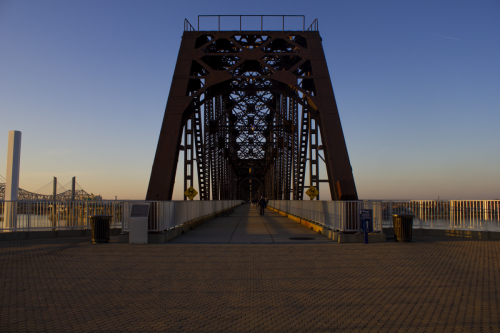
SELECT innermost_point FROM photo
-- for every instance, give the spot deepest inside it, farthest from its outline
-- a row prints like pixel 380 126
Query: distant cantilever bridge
pixel 51 191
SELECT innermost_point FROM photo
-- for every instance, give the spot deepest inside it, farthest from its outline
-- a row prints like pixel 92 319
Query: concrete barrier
pixel 359 238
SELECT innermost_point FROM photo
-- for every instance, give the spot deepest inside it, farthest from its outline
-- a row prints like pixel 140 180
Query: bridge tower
pixel 251 108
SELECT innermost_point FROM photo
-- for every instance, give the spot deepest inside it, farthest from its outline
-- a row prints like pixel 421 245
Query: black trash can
pixel 100 228
pixel 403 227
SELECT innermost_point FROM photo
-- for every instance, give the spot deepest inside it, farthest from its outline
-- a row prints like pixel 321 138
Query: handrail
pixel 261 20
pixel 188 26
pixel 313 26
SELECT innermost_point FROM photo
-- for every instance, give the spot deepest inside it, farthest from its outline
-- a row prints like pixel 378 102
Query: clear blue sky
pixel 417 85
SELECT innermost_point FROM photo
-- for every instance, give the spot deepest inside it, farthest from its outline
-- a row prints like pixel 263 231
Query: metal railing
pixel 338 215
pixel 335 215
pixel 452 214
pixel 64 215
pixel 481 215
pixel 313 27
pixel 188 26
pixel 165 215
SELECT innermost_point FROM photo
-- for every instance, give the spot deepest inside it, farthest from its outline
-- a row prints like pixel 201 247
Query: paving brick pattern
pixel 429 285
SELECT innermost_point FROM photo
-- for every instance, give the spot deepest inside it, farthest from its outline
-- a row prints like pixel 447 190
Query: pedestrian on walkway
pixel 262 204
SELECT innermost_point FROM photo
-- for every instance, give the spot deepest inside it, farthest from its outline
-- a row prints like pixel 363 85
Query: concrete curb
pixel 451 233
pixel 27 235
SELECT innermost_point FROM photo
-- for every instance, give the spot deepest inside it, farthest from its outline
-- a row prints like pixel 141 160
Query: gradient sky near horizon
pixel 417 85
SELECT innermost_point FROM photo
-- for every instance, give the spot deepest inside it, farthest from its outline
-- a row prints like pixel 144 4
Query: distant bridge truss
pixel 252 109
pixel 45 193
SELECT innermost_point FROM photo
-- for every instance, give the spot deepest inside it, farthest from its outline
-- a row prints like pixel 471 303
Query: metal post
pixel 295 147
pixel 188 154
pixel 29 215
pixel 54 189
pixel 485 210
pixel 310 134
pixel 73 181
pixel 208 146
pixel 452 213
pixel 313 155
pixel 366 230
pixel 198 150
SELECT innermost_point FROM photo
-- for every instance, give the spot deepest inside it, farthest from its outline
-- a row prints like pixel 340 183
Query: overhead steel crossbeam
pixel 254 108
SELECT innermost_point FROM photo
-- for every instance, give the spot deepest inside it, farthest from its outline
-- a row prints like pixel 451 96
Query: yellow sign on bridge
pixel 312 192
pixel 191 193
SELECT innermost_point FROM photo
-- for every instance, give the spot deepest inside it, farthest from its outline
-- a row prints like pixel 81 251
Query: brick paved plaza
pixel 429 285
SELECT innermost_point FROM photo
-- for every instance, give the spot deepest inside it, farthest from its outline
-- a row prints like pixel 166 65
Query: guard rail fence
pixel 480 215
pixel 74 215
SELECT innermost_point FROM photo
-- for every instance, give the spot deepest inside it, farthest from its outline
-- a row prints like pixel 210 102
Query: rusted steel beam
pixel 255 86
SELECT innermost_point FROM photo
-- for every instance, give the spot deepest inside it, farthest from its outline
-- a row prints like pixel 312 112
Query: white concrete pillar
pixel 12 180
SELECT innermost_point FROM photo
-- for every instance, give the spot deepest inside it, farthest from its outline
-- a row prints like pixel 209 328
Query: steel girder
pixel 265 101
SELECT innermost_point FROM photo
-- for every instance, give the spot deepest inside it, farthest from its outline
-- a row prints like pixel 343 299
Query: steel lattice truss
pixel 250 109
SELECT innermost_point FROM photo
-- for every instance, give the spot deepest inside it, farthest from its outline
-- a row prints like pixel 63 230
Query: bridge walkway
pixel 246 226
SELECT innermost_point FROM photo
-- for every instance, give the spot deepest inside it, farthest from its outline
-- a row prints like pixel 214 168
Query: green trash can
pixel 403 227
pixel 100 228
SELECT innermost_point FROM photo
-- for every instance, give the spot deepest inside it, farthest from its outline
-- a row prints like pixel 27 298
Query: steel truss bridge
pixel 252 109
pixel 49 192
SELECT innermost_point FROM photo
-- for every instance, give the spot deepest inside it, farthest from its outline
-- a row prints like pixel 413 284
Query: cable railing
pixel 257 25
pixel 75 215
pixel 480 215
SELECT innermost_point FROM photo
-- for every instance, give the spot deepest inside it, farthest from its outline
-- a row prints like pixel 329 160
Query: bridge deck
pixel 429 285
pixel 246 226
